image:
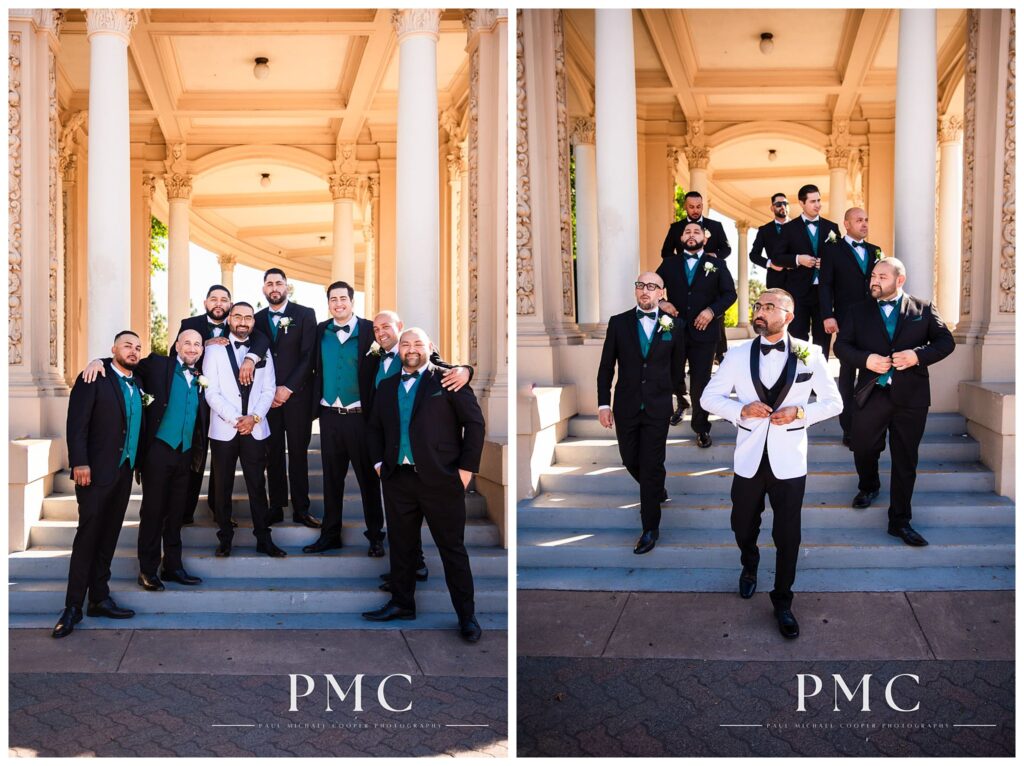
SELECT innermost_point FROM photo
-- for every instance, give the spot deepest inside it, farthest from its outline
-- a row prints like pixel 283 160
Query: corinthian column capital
pixel 416 21
pixel 118 21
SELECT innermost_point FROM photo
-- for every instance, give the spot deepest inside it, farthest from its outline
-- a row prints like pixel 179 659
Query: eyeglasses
pixel 649 285
pixel 767 307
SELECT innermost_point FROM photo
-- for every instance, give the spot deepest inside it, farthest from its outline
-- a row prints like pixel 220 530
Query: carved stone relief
pixel 524 225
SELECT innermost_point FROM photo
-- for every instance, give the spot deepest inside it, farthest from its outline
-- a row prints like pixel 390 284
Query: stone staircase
pixel 578 532
pixel 250 590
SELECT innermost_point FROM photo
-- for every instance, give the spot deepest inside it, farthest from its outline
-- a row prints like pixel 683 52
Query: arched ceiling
pixel 333 78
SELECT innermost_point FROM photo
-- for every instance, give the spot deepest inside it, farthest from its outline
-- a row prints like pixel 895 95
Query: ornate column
pixel 109 31
pixel 74 309
pixel 455 242
pixel 227 263
pixel 618 194
pixel 179 190
pixel 916 116
pixel 344 188
pixel 371 221
pixel 697 157
pixel 143 187
pixel 743 275
pixel 672 155
pixel 418 186
pixel 588 292
pixel 837 153
pixel 951 152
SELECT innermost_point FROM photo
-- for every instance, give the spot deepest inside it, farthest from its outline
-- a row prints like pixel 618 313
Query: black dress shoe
pixel 71 616
pixel 863 499
pixel 748 583
pixel 646 541
pixel 150 582
pixel 469 629
pixel 390 612
pixel 677 416
pixel 234 524
pixel 704 440
pixel 107 608
pixel 788 626
pixel 270 549
pixel 664 496
pixel 306 520
pixel 223 551
pixel 908 535
pixel 376 549
pixel 180 576
pixel 321 545
pixel 276 515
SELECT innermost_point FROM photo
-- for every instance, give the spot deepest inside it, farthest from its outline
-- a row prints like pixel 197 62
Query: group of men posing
pixel 821 283
pixel 243 384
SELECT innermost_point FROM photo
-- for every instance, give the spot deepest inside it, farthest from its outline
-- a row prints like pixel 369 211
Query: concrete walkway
pixel 215 692
pixel 705 674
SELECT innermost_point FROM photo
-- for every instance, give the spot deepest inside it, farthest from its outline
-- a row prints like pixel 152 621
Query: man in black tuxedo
pixel 892 341
pixel 425 443
pixel 716 244
pixel 700 289
pixel 104 430
pixel 798 248
pixel 647 347
pixel 213 330
pixel 291 328
pixel 845 281
pixel 764 243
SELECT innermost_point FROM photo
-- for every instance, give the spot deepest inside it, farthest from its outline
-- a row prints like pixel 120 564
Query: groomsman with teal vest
pixel 387 327
pixel 426 442
pixel 104 430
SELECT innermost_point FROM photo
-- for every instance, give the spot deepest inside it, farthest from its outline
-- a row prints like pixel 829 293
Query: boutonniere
pixel 709 268
pixel 707 235
pixel 147 399
pixel 831 237
pixel 375 349
pixel 284 323
pixel 879 255
pixel 203 382
pixel 802 353
pixel 665 323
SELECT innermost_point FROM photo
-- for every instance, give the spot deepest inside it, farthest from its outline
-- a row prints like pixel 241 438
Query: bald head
pixel 647 297
pixel 414 348
pixel 386 328
pixel 189 346
pixel 856 223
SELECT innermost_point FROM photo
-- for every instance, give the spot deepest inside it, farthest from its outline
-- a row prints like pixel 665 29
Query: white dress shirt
pixel 771 364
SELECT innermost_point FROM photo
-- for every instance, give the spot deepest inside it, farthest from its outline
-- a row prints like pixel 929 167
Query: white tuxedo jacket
pixel 787 445
pixel 225 398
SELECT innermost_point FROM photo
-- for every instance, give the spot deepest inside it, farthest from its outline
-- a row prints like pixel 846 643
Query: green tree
pixel 157 321
pixel 680 206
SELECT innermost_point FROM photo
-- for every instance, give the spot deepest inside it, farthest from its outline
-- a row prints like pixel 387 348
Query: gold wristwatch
pixel 799 413
pixel 257 418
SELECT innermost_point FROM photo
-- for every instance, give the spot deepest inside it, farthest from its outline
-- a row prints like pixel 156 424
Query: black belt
pixel 342 410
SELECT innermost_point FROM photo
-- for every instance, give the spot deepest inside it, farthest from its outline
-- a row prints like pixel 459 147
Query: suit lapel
pixel 169 376
pixel 852 254
pixel 270 328
pixel 755 371
pixel 790 377
pixel 901 320
pixel 114 381
pixel 427 381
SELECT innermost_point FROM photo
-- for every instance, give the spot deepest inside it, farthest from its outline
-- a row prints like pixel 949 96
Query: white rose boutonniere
pixel 879 255
pixel 803 353
pixel 709 268
pixel 147 399
pixel 831 237
pixel 284 323
pixel 665 323
pixel 707 235
pixel 375 349
pixel 203 381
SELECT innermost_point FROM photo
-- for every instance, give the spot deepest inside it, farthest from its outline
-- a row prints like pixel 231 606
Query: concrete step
pixel 230 621
pixel 717 479
pixel 587 426
pixel 552 510
pixel 219 595
pixel 683 451
pixel 64 507
pixel 716 548
pixel 807 580
pixel 203 532
pixel 51 562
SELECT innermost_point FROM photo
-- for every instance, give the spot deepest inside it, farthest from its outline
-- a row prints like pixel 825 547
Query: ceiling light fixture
pixel 767 43
pixel 264 180
pixel 771 155
pixel 262 69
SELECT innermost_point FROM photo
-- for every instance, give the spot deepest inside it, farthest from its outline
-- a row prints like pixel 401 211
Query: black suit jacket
pixel 259 343
pixel 716 244
pixel 761 253
pixel 841 283
pixel 446 430
pixel 157 374
pixel 293 349
pixel 649 381
pixel 715 290
pixel 793 241
pixel 97 426
pixel 919 328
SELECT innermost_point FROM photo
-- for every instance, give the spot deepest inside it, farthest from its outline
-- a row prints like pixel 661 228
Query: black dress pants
pixel 409 501
pixel 787 497
pixel 343 442
pixel 165 486
pixel 699 358
pixel 101 511
pixel 808 322
pixel 195 485
pixel 642 447
pixel 253 456
pixel 905 426
pixel 290 422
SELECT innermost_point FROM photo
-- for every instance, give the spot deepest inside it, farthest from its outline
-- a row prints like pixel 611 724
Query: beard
pixel 212 313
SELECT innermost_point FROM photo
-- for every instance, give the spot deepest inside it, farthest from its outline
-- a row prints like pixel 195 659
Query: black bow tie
pixel 186 368
pixel 241 343
pixel 410 375
pixel 856 244
pixel 129 381
pixel 690 220
pixel 277 313
pixel 648 314
pixel 335 328
pixel 388 355
pixel 893 302
pixel 811 223
pixel 767 348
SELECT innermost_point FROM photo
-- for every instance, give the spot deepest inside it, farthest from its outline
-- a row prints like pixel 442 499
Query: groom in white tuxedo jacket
pixel 773 377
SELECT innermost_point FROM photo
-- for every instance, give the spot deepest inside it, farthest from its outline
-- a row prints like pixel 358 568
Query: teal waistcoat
pixel 690 272
pixel 405 402
pixel 890 327
pixel 179 421
pixel 341 367
pixel 133 414
pixel 393 369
